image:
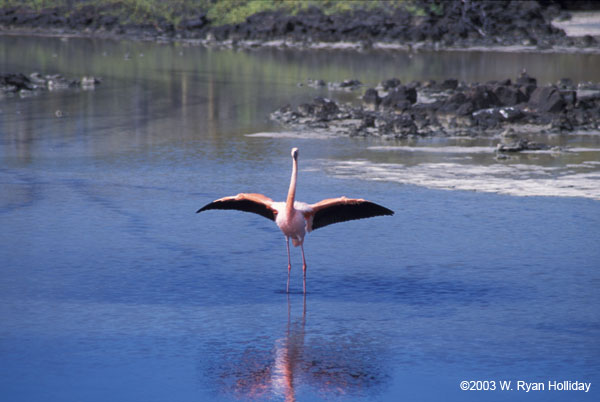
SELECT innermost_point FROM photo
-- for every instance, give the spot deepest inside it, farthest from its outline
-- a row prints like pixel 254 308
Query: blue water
pixel 114 289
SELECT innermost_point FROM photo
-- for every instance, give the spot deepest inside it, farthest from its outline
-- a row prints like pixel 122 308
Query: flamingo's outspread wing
pixel 334 210
pixel 247 202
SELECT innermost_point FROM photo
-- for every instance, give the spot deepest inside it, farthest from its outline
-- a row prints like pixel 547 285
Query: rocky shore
pixel 419 24
pixel 451 108
pixel 391 110
pixel 12 84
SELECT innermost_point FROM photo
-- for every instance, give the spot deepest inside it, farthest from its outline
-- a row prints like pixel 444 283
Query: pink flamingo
pixel 295 218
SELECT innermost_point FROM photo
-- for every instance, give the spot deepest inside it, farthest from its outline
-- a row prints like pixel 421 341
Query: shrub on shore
pixel 219 12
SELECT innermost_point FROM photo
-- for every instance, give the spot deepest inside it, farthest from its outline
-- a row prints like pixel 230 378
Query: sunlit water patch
pixel 475 150
pixel 444 150
pixel 317 134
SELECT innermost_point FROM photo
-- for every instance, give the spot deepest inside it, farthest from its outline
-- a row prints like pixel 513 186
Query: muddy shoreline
pixel 486 25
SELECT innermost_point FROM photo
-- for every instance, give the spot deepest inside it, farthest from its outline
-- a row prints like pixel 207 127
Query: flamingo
pixel 296 218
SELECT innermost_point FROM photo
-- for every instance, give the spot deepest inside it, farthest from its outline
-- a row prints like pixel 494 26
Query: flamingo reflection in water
pixel 326 367
pixel 296 218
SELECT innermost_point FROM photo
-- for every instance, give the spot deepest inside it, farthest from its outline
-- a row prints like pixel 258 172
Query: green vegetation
pixel 135 11
pixel 236 11
pixel 218 11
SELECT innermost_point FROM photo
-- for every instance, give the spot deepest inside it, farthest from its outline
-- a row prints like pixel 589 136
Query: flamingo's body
pixel 296 218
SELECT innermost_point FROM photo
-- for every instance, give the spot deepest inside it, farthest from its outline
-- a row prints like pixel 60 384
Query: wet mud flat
pixel 509 108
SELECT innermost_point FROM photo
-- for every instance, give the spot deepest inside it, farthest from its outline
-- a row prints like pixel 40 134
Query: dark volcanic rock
pixel 454 102
pixel 565 83
pixel 15 82
pixel 569 96
pixel 429 23
pixel 547 99
pixel 371 99
pixel 315 83
pixel 450 84
pixel 509 96
pixel 325 109
pixel 521 145
pixel 482 97
pixel 11 83
pixel 198 22
pixel 511 114
pixel 390 83
pixel 469 109
pixel 399 98
pixel 396 125
pixel 465 109
pixel 351 84
pixel 525 79
pixel 306 109
pixel 527 90
pixel 404 125
pixel 589 101
pixel 285 115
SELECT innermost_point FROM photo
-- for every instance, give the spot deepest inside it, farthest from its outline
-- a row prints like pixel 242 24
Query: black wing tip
pixel 204 208
pixel 385 213
pixel 383 210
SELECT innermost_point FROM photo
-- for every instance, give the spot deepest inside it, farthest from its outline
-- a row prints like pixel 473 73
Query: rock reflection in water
pixel 301 362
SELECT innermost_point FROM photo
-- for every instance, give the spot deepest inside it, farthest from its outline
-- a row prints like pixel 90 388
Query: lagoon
pixel 113 288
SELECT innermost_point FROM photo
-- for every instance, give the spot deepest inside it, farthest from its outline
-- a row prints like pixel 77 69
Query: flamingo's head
pixel 295 153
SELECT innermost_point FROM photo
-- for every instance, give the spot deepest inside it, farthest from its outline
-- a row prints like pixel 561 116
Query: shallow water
pixel 113 288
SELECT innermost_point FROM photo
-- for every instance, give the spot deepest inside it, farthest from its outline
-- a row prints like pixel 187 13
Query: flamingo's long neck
pixel 289 203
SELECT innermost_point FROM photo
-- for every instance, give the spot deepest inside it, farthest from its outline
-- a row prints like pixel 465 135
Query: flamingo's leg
pixel 303 268
pixel 287 243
